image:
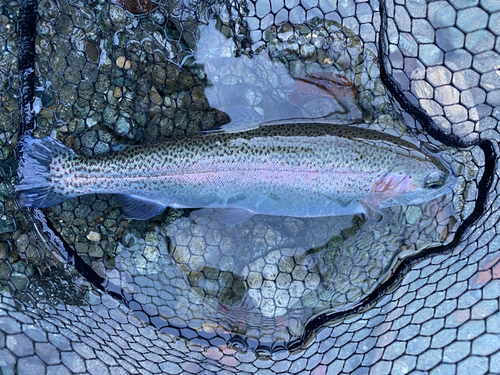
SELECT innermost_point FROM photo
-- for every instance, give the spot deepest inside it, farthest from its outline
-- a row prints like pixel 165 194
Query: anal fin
pixel 138 208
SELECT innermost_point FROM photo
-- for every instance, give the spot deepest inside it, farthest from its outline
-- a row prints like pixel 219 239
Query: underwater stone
pixel 122 126
pixel 6 225
pixel 67 217
pixel 94 236
pixel 64 25
pixel 196 246
pixel 297 69
pixel 413 214
pixel 151 253
pixel 158 18
pixel 101 148
pixel 140 118
pixel 5 270
pixel 151 238
pixel 159 75
pixel 114 17
pixel 4 251
pixel 82 211
pixel 22 243
pixel 95 251
pixel 155 96
pixel 123 62
pixel 254 280
pixel 117 92
pixel 30 270
pixel 19 281
pixel 110 116
pixel 19 267
pixel 89 139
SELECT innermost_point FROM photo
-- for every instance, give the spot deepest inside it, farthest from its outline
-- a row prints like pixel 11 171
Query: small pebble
pixel 117 93
pixel 123 63
pixel 155 96
pixel 94 236
pixel 122 126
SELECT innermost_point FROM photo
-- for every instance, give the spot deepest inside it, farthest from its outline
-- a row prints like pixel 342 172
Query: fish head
pixel 435 184
pixel 412 187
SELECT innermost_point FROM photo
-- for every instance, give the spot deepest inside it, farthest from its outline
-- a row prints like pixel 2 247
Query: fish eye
pixel 434 185
pixel 434 180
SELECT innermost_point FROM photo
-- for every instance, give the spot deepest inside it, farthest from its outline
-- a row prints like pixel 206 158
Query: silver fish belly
pixel 299 170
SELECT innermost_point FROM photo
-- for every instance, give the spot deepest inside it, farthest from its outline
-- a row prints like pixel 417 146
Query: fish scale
pixel 298 170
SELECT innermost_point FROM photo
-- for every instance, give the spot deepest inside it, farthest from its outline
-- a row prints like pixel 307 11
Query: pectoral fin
pixel 372 212
pixel 138 208
pixel 234 216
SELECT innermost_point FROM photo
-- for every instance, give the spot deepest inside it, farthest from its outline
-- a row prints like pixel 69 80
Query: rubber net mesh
pixel 85 290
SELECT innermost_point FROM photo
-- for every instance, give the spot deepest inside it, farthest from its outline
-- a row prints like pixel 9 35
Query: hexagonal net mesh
pixel 106 284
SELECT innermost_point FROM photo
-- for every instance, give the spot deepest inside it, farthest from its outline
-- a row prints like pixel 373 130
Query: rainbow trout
pixel 299 170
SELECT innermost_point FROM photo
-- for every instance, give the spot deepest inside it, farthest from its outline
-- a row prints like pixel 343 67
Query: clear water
pixel 107 77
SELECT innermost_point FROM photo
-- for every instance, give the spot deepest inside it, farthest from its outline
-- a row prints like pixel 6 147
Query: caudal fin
pixel 35 187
